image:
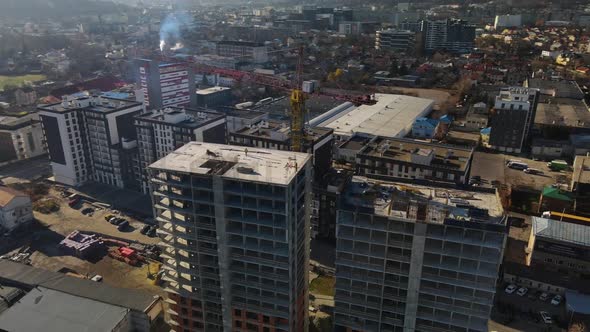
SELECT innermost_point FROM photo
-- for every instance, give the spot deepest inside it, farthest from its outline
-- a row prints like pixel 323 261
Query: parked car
pixel 97 278
pixel 543 296
pixel 546 317
pixel 522 291
pixel 510 289
pixel 117 221
pixel 123 225
pixel 108 217
pixel 151 232
pixel 556 300
pixel 112 219
pixel 145 229
pixel 73 201
pixel 87 210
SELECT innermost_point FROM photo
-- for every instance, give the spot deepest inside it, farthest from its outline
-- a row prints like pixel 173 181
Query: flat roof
pixel 101 104
pixel 16 122
pixel 390 116
pixel 280 108
pixel 563 88
pixel 444 156
pixel 235 162
pixel 238 113
pixel 561 231
pixel 44 309
pixel 16 273
pixel 581 173
pixel 212 90
pixel 563 112
pixel 430 204
pixel 181 117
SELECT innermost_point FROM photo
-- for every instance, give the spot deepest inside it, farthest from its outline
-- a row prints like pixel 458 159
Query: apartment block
pixel 416 258
pixel 91 139
pixel 395 40
pixel 406 159
pixel 513 119
pixel 234 225
pixel 451 35
pixel 245 50
pixel 165 84
pixel 277 135
pixel 162 131
pixel 20 138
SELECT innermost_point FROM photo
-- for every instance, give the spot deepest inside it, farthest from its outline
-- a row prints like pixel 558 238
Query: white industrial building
pixel 15 209
pixel 392 116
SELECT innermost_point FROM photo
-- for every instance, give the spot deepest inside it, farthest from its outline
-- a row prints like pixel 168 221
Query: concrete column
pixel 414 276
pixel 222 253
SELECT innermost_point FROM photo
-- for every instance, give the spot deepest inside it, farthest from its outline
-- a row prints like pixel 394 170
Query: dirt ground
pixel 50 229
pixel 440 97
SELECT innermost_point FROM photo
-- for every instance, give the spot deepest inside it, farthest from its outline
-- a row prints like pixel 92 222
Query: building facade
pixel 450 35
pixel 244 50
pixel 513 119
pixel 15 209
pixel 214 96
pixel 25 96
pixel 21 138
pixel 162 131
pixel 163 85
pixel 405 159
pixel 395 40
pixel 234 224
pixel 408 259
pixel 91 139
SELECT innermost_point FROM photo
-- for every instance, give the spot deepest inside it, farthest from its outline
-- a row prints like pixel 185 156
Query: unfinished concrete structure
pixel 234 224
pixel 413 258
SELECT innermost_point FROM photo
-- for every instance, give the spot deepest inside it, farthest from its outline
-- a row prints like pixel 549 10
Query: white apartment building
pixel 90 139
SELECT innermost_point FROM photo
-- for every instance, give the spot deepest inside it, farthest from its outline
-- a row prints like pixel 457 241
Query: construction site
pixel 78 241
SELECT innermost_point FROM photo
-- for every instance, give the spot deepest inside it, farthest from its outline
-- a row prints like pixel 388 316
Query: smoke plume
pixel 171 26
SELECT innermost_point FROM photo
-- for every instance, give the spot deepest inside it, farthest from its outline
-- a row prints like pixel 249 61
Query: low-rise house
pixel 15 209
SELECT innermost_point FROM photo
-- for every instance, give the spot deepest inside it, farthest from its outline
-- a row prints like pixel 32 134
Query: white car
pixel 522 291
pixel 510 289
pixel 556 300
pixel 546 317
pixel 543 296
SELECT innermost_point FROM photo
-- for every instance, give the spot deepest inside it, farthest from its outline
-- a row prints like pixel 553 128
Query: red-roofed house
pixel 15 208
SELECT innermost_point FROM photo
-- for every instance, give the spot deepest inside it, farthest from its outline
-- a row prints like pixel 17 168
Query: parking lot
pixel 491 167
pixel 523 312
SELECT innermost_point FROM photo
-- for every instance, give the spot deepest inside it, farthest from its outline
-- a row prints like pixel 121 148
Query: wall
pixel 16 212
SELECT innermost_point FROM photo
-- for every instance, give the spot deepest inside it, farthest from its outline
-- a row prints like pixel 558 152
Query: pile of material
pixel 81 245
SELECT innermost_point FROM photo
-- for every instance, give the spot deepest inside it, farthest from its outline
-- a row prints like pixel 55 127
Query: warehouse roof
pixel 20 274
pixel 561 231
pixel 44 309
pixel 392 115
pixel 563 112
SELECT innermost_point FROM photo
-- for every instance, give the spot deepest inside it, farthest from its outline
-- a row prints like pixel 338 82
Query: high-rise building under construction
pixel 234 224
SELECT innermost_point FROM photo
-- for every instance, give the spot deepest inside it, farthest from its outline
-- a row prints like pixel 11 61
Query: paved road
pixel 27 170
